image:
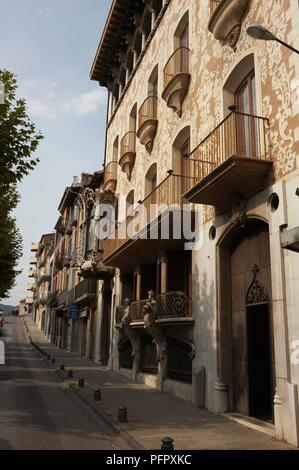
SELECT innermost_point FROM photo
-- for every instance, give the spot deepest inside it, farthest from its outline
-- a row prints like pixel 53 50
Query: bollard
pixel 81 382
pixel 62 367
pixel 167 443
pixel 70 374
pixel 49 357
pixel 53 360
pixel 97 395
pixel 122 415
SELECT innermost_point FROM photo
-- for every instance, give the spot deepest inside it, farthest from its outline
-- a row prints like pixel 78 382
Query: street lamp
pixel 257 31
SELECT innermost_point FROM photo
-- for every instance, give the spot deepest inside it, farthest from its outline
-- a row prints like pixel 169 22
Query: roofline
pixel 102 40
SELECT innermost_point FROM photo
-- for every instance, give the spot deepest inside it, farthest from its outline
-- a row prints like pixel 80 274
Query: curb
pixel 114 427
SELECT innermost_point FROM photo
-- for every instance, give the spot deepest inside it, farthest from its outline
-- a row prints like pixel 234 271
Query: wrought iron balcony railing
pixel 62 298
pixel 177 64
pixel 238 134
pixel 148 110
pixel 169 306
pixel 128 144
pixel 166 195
pixel 173 305
pixel 136 311
pixel 87 288
pixel 110 176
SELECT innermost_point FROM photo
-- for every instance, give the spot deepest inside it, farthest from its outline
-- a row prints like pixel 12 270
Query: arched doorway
pixel 246 358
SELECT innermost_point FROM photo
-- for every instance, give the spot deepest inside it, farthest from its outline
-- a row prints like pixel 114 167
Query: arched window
pixel 239 93
pixel 130 202
pixel 181 149
pixel 150 180
pixel 153 82
pixel 181 35
pixel 133 119
pixel 115 150
pixel 234 82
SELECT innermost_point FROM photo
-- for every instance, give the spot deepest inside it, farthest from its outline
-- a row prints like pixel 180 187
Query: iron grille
pixel 179 361
pixel 137 311
pixel 172 305
pixel 125 355
pixel 148 356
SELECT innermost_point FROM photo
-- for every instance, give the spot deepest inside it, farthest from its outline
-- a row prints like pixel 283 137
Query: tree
pixel 18 142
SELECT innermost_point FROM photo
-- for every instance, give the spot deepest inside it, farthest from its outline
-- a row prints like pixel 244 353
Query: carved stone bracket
pixel 239 211
pixel 256 293
pixel 156 332
pixel 89 198
pixel 133 337
pixel 105 197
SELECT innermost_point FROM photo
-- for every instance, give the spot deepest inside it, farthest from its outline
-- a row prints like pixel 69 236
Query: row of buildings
pixel 202 119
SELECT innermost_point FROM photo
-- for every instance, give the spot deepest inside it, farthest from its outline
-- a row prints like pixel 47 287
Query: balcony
pixel 34 247
pixel 232 162
pixel 148 122
pixel 62 299
pixel 58 260
pixel 177 79
pixel 110 177
pixel 170 306
pixel 45 275
pixel 226 20
pixel 31 273
pixel 86 291
pixel 131 243
pixel 70 297
pixel 43 298
pixel 128 153
pixel 33 261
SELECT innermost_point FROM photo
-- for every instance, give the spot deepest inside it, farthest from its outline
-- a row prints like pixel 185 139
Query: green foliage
pixel 18 142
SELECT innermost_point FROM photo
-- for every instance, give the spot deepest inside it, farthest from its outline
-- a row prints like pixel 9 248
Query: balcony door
pixel 246 126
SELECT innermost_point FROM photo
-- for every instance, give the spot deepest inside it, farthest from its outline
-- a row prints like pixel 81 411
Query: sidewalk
pixel 152 415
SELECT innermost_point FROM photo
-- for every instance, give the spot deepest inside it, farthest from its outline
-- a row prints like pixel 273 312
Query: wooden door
pixel 250 250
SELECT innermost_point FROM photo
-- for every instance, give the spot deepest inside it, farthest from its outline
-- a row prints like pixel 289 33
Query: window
pixel 151 180
pixel 133 118
pixel 153 82
pixel 130 203
pixel 181 35
pixel 116 149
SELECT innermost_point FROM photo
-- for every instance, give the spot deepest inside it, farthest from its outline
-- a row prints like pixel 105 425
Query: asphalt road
pixel 36 413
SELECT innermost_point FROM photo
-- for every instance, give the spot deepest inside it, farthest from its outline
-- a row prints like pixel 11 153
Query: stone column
pixel 138 283
pixel 164 274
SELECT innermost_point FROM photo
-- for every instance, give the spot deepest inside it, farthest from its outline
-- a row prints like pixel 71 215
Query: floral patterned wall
pixel 210 65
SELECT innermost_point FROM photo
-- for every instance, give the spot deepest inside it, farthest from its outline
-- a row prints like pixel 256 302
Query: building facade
pixel 42 276
pixel 204 118
pixel 78 272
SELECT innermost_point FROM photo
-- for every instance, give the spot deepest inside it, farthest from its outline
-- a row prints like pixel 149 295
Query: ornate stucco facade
pixel 243 272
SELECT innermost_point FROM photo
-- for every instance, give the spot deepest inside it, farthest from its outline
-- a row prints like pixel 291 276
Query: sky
pixel 50 45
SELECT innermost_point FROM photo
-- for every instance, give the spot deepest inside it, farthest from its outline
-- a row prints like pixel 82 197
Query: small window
pixel 153 82
pixel 151 180
pixel 181 35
